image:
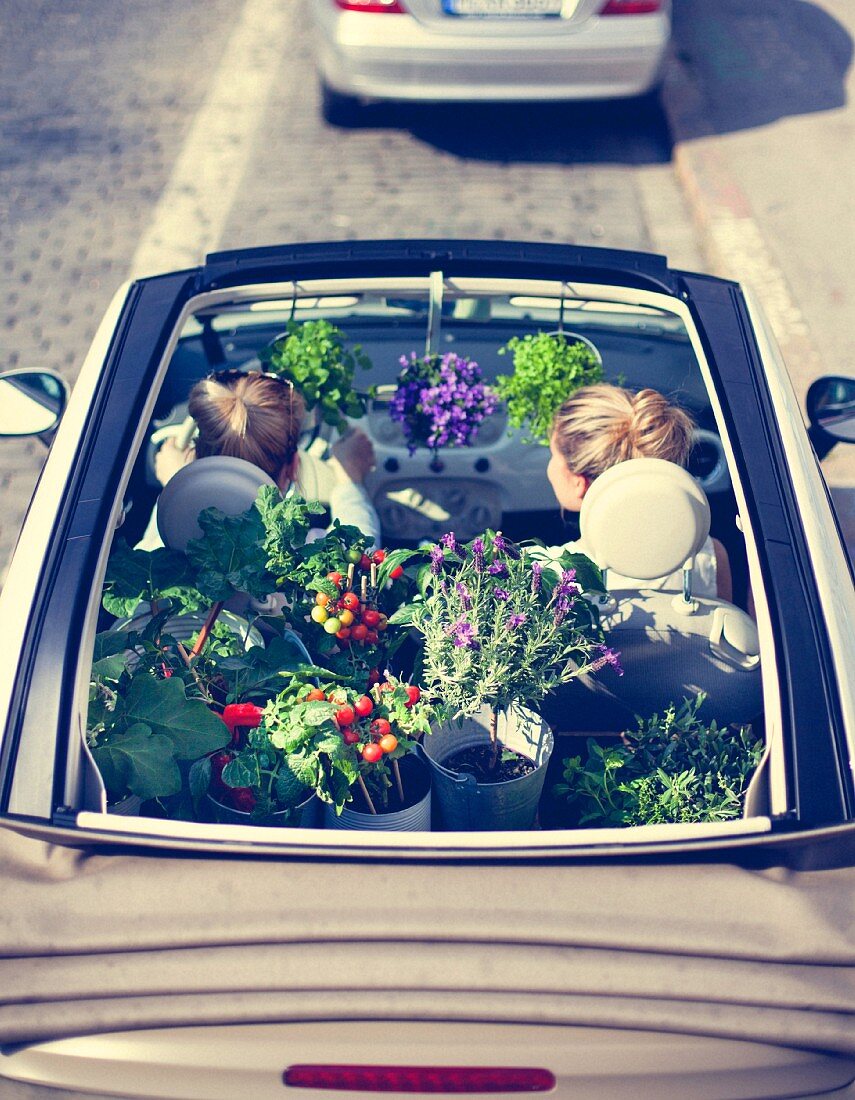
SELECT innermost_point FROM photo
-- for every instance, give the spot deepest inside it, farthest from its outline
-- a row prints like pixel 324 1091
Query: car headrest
pixel 644 518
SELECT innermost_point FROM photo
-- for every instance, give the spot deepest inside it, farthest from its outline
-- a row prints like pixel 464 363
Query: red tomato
pixel 322 599
pixel 343 634
pixel 374 676
pixel 336 578
pixel 315 695
pixel 372 637
pixel 242 798
pixel 388 743
pixel 218 762
pixel 363 706
pixel 380 727
pixel 414 693
pixel 365 562
pixel 350 600
pixel 345 716
pixel 350 736
pixel 370 617
pixel 372 753
pixel 398 571
pixel 359 632
pixel 378 557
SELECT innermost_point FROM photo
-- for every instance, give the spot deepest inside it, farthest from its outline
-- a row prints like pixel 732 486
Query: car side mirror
pixel 831 411
pixel 31 401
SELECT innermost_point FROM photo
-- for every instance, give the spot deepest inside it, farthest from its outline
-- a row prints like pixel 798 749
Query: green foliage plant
pixel 314 357
pixel 501 629
pixel 548 368
pixel 672 768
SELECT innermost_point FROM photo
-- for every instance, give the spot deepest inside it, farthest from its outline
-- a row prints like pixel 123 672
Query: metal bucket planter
pixel 306 815
pixel 466 805
pixel 416 778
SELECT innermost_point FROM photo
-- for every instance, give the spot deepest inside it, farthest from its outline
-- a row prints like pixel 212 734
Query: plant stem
pixel 400 785
pixel 365 793
pixel 494 737
pixel 207 628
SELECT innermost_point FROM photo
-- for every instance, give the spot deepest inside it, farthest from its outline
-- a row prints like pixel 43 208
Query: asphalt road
pixel 138 136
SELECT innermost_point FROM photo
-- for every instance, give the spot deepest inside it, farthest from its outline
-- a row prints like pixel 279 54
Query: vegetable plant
pixel 672 768
pixel 313 356
pixel 501 629
pixel 548 368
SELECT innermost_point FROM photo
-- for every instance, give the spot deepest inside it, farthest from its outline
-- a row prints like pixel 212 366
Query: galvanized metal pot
pixel 416 778
pixel 304 816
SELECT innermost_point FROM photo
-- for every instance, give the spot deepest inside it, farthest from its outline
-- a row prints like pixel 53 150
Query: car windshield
pixel 429 496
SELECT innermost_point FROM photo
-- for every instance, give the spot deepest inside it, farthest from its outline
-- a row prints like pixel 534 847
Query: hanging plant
pixel 548 368
pixel 440 401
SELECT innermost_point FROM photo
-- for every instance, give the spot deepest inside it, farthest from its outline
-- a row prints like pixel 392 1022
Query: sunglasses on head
pixel 233 374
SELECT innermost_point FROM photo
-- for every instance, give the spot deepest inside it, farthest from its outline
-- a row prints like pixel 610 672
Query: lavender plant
pixel 500 628
pixel 440 401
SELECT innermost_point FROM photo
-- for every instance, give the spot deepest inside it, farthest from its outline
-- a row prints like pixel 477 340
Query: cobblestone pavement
pixel 97 98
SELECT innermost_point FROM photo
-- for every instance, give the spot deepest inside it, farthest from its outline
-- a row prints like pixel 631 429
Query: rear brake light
pixel 424 1079
pixel 371 5
pixel 631 7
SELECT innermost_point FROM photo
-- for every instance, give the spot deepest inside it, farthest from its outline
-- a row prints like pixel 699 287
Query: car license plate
pixel 503 7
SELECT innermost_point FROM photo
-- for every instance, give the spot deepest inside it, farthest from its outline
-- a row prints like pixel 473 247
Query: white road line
pixel 192 210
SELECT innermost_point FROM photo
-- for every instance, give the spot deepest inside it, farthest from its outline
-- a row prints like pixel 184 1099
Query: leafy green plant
pixel 500 628
pixel 548 368
pixel 312 354
pixel 672 768
pixel 149 576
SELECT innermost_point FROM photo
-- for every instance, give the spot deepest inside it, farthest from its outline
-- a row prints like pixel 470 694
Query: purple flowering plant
pixel 503 627
pixel 440 401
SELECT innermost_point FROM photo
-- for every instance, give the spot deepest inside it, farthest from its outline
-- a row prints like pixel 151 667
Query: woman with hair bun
pixel 602 425
pixel 259 417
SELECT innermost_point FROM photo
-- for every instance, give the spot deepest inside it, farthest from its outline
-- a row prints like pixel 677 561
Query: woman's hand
pixel 352 456
pixel 170 458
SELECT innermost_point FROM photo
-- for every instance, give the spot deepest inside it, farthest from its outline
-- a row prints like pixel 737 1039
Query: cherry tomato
pixel 242 798
pixel 351 737
pixel 346 716
pixel 378 557
pixel 380 727
pixel 384 622
pixel 336 578
pixel 359 632
pixel 346 617
pixel 343 634
pixel 350 600
pixel 398 571
pixel 319 614
pixel 372 637
pixel 365 562
pixel 372 753
pixel 374 677
pixel 322 598
pixel 388 743
pixel 332 625
pixel 386 686
pixel 354 556
pixel 218 762
pixel 316 695
pixel 363 706
pixel 414 694
pixel 370 617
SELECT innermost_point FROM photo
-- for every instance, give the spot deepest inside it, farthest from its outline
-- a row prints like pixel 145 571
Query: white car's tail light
pixel 419 1079
pixel 631 7
pixel 375 6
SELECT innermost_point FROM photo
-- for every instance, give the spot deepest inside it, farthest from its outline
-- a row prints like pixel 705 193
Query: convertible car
pixel 171 955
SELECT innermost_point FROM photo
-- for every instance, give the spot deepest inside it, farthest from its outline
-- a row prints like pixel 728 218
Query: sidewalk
pixel 751 94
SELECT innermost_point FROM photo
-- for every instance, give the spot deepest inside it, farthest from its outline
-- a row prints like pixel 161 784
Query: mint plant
pixel 548 368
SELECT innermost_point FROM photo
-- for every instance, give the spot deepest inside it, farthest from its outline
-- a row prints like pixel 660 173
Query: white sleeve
pixel 350 504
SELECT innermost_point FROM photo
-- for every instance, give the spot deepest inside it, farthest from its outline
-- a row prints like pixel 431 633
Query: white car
pixel 481 50
pixel 161 956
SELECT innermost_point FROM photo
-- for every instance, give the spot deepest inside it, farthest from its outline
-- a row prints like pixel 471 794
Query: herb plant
pixel 312 354
pixel 500 629
pixel 548 368
pixel 440 401
pixel 672 768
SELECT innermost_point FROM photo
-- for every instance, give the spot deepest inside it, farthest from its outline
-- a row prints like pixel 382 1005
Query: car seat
pixel 646 518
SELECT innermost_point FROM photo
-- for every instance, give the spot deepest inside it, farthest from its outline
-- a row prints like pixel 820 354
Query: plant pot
pixel 305 815
pixel 465 804
pixel 184 627
pixel 414 817
pixel 129 806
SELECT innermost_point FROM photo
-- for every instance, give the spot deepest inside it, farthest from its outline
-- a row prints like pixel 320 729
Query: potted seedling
pixel 440 401
pixel 548 368
pixel 671 768
pixel 500 631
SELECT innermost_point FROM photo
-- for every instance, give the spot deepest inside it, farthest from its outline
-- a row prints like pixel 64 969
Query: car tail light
pixel 419 1079
pixel 631 7
pixel 376 6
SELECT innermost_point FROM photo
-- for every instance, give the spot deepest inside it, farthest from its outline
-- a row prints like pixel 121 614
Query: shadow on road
pixel 752 62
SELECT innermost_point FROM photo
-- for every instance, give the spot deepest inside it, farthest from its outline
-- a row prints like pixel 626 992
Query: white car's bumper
pixel 395 57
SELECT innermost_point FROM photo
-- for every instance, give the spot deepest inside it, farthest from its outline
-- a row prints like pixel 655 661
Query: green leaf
pixel 243 771
pixel 138 761
pixel 199 778
pixel 288 788
pixel 230 556
pixel 141 576
pixel 192 729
